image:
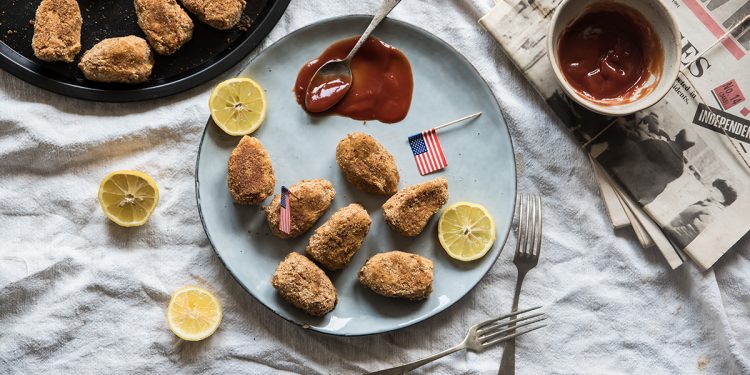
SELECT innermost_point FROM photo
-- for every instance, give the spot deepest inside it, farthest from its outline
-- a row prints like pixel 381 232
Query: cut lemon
pixel 128 197
pixel 238 106
pixel 193 313
pixel 466 231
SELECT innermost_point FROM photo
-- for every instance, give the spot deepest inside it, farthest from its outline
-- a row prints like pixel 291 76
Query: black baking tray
pixel 210 52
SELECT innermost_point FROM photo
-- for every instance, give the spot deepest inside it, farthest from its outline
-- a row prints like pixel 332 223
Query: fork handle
pixel 508 361
pixel 419 363
pixel 517 294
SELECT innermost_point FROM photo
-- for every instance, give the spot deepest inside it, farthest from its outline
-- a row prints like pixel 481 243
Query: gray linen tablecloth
pixel 79 295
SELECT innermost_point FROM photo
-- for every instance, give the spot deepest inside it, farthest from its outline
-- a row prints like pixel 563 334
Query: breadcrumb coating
pixel 57 30
pixel 408 211
pixel 367 165
pixel 336 241
pixel 250 176
pixel 303 284
pixel 219 14
pixel 308 199
pixel 166 25
pixel 398 274
pixel 123 60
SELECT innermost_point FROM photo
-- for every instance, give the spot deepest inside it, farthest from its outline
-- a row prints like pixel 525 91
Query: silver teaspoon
pixel 332 80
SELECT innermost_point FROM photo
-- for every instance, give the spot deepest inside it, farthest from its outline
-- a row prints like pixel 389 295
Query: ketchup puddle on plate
pixel 381 88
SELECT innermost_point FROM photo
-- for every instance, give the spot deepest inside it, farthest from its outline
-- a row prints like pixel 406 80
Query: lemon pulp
pixel 466 231
pixel 128 197
pixel 193 313
pixel 238 106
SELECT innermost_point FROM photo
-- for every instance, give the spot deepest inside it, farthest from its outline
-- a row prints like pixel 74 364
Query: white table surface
pixel 80 295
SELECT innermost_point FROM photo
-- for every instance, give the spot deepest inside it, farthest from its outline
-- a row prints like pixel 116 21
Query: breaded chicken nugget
pixel 333 244
pixel 398 274
pixel 250 177
pixel 57 30
pixel 124 60
pixel 308 200
pixel 367 164
pixel 166 25
pixel 409 210
pixel 219 14
pixel 303 284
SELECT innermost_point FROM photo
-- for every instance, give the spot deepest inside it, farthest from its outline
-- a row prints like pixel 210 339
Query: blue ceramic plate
pixel 481 169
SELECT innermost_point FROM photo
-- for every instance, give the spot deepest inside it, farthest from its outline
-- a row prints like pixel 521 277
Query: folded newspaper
pixel 678 171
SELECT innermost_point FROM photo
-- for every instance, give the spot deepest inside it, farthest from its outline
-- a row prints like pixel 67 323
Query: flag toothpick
pixel 469 117
pixel 428 153
pixel 285 211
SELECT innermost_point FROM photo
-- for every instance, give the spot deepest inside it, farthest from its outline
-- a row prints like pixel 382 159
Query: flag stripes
pixel 285 212
pixel 428 153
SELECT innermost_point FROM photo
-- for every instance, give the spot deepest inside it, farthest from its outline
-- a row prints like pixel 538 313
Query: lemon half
pixel 128 197
pixel 238 106
pixel 193 313
pixel 466 231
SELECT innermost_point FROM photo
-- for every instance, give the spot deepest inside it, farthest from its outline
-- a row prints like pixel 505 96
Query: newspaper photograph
pixel 684 161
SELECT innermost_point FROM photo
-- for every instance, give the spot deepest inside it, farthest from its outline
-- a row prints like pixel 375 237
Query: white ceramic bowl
pixel 664 27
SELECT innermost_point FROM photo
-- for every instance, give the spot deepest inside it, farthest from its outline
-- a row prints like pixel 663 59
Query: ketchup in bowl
pixel 610 55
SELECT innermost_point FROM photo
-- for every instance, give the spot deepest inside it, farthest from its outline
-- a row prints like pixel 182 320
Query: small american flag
pixel 285 212
pixel 427 152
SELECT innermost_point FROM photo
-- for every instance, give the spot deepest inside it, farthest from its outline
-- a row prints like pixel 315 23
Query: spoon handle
pixel 386 8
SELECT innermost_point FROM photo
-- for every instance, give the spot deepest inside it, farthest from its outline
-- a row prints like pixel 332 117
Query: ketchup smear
pixel 381 88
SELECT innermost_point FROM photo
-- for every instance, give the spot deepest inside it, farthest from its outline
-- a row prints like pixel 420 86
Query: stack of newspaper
pixel 678 171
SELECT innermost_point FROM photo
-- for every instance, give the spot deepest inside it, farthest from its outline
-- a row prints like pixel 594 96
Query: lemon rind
pixel 488 245
pixel 262 116
pixel 117 220
pixel 186 336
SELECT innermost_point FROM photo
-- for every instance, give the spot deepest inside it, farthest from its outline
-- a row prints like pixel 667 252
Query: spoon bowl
pixel 329 85
pixel 333 79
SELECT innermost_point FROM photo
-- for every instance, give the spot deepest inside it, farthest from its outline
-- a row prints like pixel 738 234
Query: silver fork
pixel 480 337
pixel 528 246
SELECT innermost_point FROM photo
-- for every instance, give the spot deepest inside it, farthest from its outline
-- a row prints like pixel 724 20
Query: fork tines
pixel 529 235
pixel 507 326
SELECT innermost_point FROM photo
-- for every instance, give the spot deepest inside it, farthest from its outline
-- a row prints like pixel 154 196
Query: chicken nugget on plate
pixel 166 25
pixel 303 284
pixel 250 176
pixel 408 211
pixel 123 60
pixel 398 274
pixel 57 30
pixel 333 244
pixel 219 14
pixel 367 165
pixel 308 200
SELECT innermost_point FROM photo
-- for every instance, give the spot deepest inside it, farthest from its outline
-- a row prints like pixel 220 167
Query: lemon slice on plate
pixel 238 106
pixel 466 231
pixel 193 313
pixel 128 197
